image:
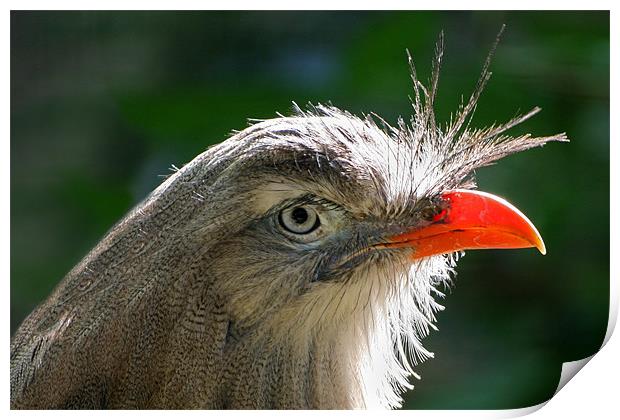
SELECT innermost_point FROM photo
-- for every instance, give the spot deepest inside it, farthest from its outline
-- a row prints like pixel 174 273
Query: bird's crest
pixel 461 149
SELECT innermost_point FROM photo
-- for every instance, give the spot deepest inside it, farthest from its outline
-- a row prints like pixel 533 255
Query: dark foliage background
pixel 104 102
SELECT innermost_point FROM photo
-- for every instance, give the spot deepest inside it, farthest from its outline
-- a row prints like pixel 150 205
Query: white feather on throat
pixel 402 313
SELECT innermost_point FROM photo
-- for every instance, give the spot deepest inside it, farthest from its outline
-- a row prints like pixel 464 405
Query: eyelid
pixel 308 199
pixel 323 202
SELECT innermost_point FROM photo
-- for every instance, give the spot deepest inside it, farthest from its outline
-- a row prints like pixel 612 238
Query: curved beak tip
pixel 540 245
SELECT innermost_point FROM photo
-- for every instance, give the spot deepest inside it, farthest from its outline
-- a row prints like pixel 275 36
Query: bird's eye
pixel 299 220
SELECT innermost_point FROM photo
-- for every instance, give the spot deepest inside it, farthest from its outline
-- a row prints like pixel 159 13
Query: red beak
pixel 471 220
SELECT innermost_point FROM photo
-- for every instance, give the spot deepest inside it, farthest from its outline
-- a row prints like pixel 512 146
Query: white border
pixel 309 5
pixel 594 392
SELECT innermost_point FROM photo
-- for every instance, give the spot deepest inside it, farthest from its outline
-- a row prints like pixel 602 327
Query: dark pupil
pixel 299 215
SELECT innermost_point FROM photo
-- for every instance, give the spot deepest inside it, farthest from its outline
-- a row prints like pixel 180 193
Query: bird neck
pixel 264 371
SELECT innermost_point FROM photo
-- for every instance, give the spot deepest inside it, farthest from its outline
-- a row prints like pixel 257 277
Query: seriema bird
pixel 294 265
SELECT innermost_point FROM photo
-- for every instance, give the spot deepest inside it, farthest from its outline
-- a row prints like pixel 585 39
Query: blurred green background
pixel 102 103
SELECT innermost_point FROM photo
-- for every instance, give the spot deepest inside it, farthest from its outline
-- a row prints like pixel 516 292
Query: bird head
pixel 342 232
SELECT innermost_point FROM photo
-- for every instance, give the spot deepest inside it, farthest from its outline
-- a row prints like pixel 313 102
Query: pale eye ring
pixel 299 220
